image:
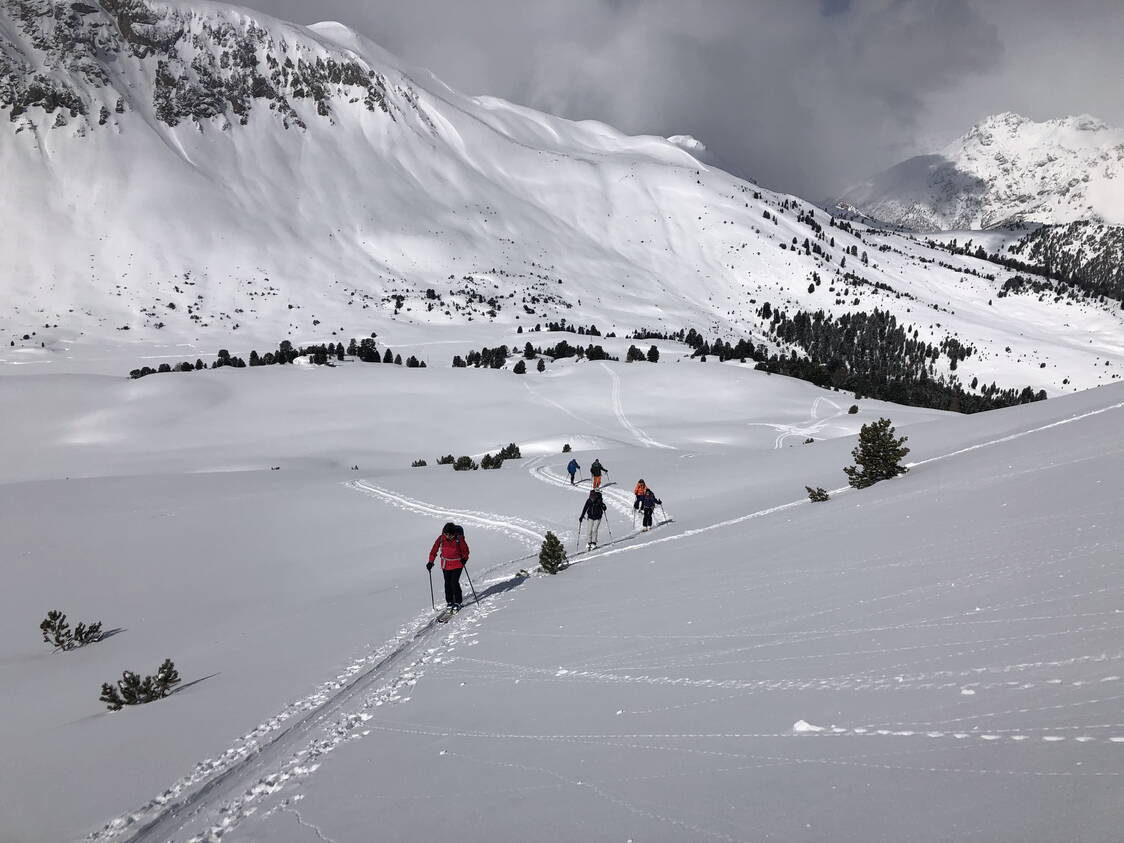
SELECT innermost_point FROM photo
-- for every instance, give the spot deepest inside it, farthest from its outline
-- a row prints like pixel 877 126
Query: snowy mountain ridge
pixel 194 174
pixel 1005 169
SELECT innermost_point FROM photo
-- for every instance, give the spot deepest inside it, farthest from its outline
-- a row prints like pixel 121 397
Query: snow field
pixel 949 631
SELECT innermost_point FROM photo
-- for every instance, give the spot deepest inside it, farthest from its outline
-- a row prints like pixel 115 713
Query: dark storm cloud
pixel 803 95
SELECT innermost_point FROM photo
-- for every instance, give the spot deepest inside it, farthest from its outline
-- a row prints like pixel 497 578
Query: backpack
pixel 596 507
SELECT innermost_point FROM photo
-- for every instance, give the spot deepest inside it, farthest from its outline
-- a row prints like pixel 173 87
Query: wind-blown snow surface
pixel 1005 169
pixel 236 227
pixel 938 657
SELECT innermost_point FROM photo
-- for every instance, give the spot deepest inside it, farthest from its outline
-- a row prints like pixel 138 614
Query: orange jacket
pixel 640 489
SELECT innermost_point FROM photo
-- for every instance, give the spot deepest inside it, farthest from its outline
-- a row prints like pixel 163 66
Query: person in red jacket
pixel 454 556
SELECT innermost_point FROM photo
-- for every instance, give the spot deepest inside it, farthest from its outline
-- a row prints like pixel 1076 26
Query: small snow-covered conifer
pixel 878 455
pixel 552 555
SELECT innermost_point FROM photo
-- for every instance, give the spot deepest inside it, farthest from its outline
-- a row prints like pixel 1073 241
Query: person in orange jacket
pixel 595 471
pixel 639 491
pixel 454 556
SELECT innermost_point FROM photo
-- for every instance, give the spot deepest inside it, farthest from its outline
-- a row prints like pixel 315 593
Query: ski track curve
pixel 527 532
pixel 618 409
pixel 339 710
pixel 814 424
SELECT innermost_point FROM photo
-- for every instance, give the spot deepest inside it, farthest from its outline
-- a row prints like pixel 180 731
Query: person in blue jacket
pixel 573 469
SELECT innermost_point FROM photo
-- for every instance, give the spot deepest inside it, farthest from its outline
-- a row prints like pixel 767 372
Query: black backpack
pixel 596 506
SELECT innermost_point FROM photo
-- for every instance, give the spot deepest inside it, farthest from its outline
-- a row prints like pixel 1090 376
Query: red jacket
pixel 454 552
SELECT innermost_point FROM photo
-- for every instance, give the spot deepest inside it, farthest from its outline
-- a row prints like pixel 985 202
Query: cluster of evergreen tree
pixel 496 357
pixel 489 358
pixel 563 325
pixel 729 351
pixel 645 334
pixel 508 452
pixel 635 355
pixel 872 355
pixel 1083 258
pixel 365 350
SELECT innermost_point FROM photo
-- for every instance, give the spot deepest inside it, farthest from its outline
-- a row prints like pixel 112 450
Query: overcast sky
pixel 806 96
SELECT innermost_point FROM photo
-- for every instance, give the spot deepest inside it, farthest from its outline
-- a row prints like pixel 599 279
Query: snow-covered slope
pixel 194 173
pixel 935 658
pixel 1005 169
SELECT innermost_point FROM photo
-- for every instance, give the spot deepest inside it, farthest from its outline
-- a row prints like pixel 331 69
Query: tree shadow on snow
pixel 500 587
pixel 187 685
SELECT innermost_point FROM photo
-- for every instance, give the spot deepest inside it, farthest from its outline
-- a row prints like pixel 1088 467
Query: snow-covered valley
pixel 937 657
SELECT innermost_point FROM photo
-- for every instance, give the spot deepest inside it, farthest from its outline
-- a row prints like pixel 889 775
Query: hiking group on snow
pixel 452 547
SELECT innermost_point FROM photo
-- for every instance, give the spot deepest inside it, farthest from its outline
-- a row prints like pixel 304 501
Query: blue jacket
pixel 573 467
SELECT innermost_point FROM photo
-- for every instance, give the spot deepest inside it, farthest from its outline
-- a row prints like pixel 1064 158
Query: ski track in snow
pixel 331 714
pixel 843 489
pixel 242 780
pixel 529 533
pixel 618 408
pixel 268 759
pixel 809 428
pixel 798 734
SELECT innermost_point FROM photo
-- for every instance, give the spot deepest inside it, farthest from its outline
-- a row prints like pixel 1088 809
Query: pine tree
pixel 131 689
pixel 84 634
pixel 566 448
pixel 111 697
pixel 465 463
pixel 541 366
pixel 878 455
pixel 56 630
pixel 165 679
pixel 552 555
pixel 818 494
pixel 653 355
pixel 520 368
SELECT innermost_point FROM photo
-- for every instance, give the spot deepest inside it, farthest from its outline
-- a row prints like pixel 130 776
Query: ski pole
pixel 664 511
pixel 610 529
pixel 432 602
pixel 578 536
pixel 475 599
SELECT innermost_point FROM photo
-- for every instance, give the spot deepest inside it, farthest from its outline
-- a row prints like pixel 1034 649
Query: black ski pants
pixel 648 517
pixel 453 594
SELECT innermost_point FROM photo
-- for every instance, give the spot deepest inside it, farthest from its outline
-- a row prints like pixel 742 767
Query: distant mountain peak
pixel 1005 168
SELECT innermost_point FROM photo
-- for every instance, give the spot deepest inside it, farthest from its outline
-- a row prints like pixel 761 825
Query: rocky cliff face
pixel 86 62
